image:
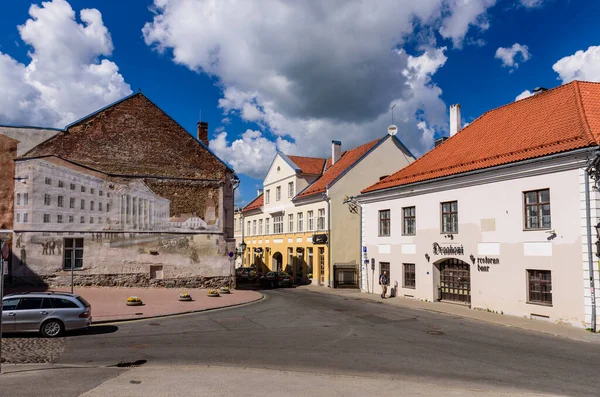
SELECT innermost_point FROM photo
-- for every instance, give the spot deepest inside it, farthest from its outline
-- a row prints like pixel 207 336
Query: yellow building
pixel 303 213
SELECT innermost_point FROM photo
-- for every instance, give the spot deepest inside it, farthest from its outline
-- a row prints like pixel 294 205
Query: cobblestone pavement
pixel 31 350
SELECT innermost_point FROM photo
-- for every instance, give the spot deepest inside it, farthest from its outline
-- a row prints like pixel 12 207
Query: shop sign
pixel 319 239
pixel 483 263
pixel 258 250
pixel 448 249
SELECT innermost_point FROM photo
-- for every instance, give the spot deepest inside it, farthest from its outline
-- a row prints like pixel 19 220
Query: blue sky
pixel 290 75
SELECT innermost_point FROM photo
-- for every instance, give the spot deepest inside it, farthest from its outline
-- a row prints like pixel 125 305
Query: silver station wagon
pixel 50 313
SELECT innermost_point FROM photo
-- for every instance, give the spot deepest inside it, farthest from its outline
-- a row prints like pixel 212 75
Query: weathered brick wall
pixel 187 196
pixel 8 152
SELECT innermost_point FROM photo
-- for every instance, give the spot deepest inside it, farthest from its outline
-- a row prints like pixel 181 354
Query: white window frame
pixel 290 189
pixel 267 226
pixel 290 223
pixel 300 218
pixel 321 219
pixel 311 220
pixel 267 196
pixel 278 193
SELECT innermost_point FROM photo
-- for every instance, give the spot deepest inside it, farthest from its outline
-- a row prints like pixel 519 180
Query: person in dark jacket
pixel 383 281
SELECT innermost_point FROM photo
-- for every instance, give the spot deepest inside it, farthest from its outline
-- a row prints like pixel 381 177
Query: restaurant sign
pixel 448 249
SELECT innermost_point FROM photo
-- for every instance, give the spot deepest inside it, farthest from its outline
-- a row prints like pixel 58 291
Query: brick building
pixel 98 197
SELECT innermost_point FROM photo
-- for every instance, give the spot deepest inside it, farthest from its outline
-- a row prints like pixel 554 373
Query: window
pixel 18 218
pixel 72 186
pixel 107 194
pixel 267 228
pixel 260 227
pixel 59 218
pixel 25 217
pixel 46 218
pixel 92 205
pixel 82 204
pixel 91 219
pixel 60 201
pixel 48 181
pixel 409 275
pixel 537 209
pixel 61 184
pixel 100 207
pixel 61 303
pixel 72 202
pixel 540 286
pixel 409 226
pixel 309 262
pixel 25 198
pixel 384 222
pixel 108 209
pixel 291 223
pixel 10 304
pixel 82 219
pixel 450 217
pixel 30 304
pixel 92 191
pixel 268 196
pixel 278 193
pixel 321 219
pixel 290 264
pixel 385 267
pixel 290 189
pixel 300 221
pixel 71 218
pixel 47 199
pixel 278 224
pixel 254 228
pixel 311 221
pixel 322 263
pixel 248 228
pixel 18 198
pixel 73 254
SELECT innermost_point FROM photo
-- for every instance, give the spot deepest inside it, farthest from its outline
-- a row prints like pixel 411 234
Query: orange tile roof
pixel 347 160
pixel 554 121
pixel 254 204
pixel 309 165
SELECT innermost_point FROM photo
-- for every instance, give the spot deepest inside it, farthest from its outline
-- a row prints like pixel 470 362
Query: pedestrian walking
pixel 383 281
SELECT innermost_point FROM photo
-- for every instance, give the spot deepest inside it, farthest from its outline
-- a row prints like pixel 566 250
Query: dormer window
pixel 278 193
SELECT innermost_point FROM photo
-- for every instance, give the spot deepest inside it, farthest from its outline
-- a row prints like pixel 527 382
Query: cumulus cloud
pixel 583 65
pixel 310 72
pixel 67 76
pixel 523 95
pixel 511 56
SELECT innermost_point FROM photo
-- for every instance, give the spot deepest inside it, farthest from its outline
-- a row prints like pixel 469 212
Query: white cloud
pixel 583 65
pixel 531 3
pixel 310 72
pixel 523 95
pixel 66 77
pixel 511 56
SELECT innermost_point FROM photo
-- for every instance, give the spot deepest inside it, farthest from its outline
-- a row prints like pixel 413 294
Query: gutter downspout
pixel 329 239
pixel 588 225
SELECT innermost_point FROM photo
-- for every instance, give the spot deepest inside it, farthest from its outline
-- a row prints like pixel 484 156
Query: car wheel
pixel 52 328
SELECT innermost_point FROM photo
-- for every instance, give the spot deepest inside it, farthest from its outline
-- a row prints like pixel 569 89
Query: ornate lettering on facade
pixel 447 250
pixel 488 261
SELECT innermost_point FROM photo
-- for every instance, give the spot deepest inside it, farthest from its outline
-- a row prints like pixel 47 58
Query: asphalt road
pixel 307 332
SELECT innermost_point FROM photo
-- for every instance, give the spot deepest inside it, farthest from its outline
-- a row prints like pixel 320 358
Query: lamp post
pixel 597 227
pixel 5 239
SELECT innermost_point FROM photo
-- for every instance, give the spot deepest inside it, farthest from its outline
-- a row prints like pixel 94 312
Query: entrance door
pixel 277 262
pixel 455 281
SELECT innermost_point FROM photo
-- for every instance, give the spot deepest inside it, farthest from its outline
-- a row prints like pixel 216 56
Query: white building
pixel 496 217
pixel 187 221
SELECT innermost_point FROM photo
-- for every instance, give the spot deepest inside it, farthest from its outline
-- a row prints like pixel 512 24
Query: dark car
pixel 276 279
pixel 245 274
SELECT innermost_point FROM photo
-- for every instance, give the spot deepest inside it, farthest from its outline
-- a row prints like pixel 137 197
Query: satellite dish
pixel 392 130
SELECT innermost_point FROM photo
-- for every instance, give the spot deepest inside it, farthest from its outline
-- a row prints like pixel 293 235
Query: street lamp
pixel 597 227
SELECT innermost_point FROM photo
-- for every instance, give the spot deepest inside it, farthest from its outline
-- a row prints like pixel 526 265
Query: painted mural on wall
pixel 55 195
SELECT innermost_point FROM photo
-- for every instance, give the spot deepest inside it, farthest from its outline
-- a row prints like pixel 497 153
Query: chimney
pixel 454 119
pixel 203 132
pixel 439 141
pixel 259 192
pixel 336 151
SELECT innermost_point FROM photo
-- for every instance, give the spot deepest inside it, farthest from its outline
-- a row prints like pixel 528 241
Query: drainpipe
pixel 328 199
pixel 360 254
pixel 588 222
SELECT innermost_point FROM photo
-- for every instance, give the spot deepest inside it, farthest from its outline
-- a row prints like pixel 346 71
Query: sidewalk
pixel 108 304
pixel 565 331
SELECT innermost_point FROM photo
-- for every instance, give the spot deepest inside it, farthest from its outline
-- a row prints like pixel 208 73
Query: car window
pixel 10 304
pixel 60 303
pixel 46 303
pixel 83 301
pixel 29 304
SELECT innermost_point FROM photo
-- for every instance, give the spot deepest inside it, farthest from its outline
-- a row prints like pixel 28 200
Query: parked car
pixel 245 273
pixel 276 279
pixel 49 313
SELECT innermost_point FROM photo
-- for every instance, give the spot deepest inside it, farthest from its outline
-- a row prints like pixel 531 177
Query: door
pixel 30 314
pixel 9 306
pixel 455 281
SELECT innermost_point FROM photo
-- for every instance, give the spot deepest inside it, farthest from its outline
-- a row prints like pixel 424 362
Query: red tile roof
pixel 309 165
pixel 554 121
pixel 254 204
pixel 347 160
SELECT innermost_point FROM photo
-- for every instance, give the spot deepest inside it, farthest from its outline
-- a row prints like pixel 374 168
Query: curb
pixel 125 320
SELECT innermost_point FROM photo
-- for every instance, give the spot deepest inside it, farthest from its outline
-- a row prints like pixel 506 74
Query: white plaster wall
pixel 504 287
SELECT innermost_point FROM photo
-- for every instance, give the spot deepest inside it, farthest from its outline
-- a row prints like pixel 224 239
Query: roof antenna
pixel 392 108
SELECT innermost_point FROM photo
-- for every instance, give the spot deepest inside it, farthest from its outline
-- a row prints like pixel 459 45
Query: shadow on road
pixel 93 330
